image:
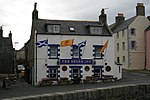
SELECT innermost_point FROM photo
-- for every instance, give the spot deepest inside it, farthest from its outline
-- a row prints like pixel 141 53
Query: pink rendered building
pixel 147 32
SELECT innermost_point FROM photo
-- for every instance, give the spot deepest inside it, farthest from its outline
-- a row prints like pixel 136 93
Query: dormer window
pixel 52 28
pixel 71 29
pixel 96 30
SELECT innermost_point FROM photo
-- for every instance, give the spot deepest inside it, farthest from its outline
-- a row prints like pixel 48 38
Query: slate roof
pixel 81 27
pixel 120 26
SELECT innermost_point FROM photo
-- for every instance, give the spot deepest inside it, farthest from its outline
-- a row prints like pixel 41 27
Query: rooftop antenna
pixel 105 8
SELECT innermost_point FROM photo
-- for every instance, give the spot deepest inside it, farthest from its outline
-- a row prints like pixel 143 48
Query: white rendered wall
pixel 42 55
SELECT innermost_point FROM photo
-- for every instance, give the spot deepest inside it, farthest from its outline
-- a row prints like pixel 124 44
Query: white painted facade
pixel 42 61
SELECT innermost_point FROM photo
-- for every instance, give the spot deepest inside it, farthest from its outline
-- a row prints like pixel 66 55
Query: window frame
pixel 117 46
pixel 133 32
pixel 123 59
pixel 118 60
pixel 53 54
pixel 133 45
pixel 53 73
pixel 96 51
pixel 53 28
pixel 75 54
pixel 96 30
pixel 123 45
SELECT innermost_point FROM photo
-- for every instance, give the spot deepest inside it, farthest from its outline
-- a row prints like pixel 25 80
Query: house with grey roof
pixel 129 39
pixel 7 51
pixel 70 49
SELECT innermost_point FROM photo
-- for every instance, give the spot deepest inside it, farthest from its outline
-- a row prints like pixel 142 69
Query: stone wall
pixel 125 92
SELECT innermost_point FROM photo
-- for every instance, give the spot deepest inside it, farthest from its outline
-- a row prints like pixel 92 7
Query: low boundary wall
pixel 124 92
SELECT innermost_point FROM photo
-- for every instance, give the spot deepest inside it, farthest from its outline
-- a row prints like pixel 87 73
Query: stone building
pixel 7 51
pixel 129 38
pixel 20 56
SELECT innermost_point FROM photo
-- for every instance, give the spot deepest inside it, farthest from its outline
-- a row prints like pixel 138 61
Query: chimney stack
pixel 140 9
pixel 103 17
pixel 10 35
pixel 35 12
pixel 1 31
pixel 120 18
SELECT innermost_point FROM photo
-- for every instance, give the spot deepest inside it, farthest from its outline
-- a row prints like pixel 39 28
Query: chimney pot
pixel 140 9
pixel 120 18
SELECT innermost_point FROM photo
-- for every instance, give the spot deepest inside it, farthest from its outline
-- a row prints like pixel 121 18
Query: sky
pixel 16 15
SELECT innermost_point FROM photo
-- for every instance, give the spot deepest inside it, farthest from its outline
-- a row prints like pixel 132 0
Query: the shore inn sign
pixel 66 48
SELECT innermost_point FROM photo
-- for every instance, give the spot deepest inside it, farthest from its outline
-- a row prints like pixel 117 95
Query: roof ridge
pixel 117 26
pixel 69 20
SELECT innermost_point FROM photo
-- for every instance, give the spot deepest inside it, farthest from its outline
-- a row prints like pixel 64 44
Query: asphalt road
pixel 23 89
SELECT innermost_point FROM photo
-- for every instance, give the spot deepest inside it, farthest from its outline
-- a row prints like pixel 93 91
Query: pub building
pixel 70 49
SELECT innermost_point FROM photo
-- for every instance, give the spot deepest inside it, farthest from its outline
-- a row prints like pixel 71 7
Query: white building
pixel 81 59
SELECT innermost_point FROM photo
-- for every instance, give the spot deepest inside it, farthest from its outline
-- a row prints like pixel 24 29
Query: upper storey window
pixel 133 31
pixel 95 30
pixel 53 28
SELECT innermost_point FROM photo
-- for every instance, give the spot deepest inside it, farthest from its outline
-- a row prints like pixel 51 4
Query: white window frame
pixel 73 74
pixel 53 71
pixel 53 51
pixel 76 52
pixel 97 52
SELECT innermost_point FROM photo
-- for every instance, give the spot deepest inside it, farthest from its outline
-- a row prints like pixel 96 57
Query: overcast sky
pixel 16 15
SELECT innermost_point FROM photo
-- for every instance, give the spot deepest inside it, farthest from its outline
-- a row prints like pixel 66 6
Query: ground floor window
pixel 75 72
pixel 53 73
pixel 97 71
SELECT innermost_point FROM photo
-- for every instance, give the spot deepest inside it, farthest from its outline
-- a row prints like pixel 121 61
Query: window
pixel 133 31
pixel 96 30
pixel 75 73
pixel 117 46
pixel 76 52
pixel 53 73
pixel 123 59
pixel 53 28
pixel 97 72
pixel 72 29
pixel 53 52
pixel 118 60
pixel 123 45
pixel 133 45
pixel 123 33
pixel 117 34
pixel 97 52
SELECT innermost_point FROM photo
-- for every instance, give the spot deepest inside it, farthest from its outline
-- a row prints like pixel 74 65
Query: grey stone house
pixel 7 56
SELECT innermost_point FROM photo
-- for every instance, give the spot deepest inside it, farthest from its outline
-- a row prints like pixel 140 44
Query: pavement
pixel 21 88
